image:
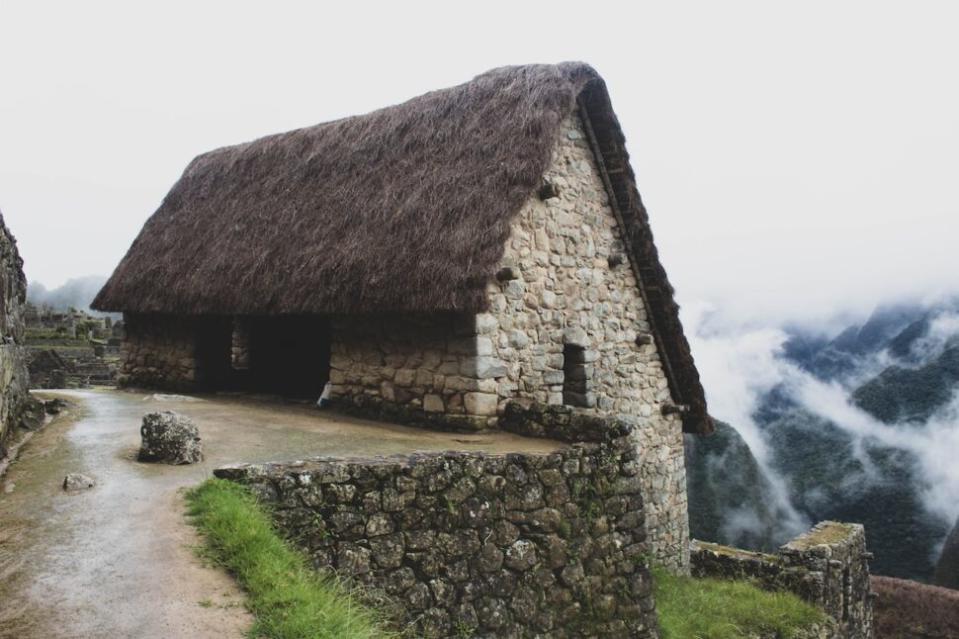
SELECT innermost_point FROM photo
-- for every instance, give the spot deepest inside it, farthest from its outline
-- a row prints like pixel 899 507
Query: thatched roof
pixel 405 209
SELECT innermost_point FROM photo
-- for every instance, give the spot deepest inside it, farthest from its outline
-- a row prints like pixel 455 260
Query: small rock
pixel 78 481
pixel 169 438
pixel 54 406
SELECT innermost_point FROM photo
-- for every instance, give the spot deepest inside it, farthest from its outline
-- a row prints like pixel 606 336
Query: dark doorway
pixel 288 355
pixel 213 352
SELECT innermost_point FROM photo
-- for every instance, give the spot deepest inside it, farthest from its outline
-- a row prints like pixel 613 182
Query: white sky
pixel 796 158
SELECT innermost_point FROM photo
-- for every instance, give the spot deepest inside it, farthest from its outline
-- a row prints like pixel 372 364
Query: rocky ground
pixel 116 560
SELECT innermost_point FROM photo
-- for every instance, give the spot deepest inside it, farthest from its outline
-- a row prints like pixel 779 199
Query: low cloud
pixel 740 364
pixel 738 367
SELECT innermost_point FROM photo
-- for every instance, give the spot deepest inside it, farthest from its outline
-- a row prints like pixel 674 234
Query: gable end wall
pixel 565 291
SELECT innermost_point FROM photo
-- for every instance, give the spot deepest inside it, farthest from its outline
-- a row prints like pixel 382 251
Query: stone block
pixel 483 367
pixel 486 324
pixel 576 336
pixel 404 377
pixel 480 403
pixel 433 403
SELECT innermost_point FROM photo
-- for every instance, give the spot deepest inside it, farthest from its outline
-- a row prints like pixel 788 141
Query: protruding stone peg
pixel 644 339
pixel 548 190
pixel 674 409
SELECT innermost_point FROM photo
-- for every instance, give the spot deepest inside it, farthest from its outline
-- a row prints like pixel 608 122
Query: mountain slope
pixel 900 394
pixel 881 465
pixel 731 501
pixel 831 477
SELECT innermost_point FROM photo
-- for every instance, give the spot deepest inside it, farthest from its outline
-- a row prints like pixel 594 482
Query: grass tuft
pixel 289 599
pixel 692 608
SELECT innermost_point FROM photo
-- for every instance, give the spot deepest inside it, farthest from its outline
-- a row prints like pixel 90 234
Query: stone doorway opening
pixel 287 355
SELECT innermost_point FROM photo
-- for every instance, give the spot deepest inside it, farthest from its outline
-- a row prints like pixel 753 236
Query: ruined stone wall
pixel 14 381
pixel 827 566
pixel 159 351
pixel 566 280
pixel 471 544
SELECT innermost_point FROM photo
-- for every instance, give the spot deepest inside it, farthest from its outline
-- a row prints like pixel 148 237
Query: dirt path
pixel 117 561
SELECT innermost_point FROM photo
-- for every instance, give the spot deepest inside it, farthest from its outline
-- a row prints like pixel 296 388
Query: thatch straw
pixel 405 209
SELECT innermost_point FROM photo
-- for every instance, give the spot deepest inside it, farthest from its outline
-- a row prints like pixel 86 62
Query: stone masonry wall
pixel 14 381
pixel 827 566
pixel 568 281
pixel 565 280
pixel 478 545
pixel 410 368
pixel 159 351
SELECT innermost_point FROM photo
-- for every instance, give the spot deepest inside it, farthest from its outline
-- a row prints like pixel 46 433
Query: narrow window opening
pixel 575 376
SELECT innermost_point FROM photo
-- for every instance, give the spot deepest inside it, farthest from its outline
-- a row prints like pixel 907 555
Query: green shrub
pixel 289 599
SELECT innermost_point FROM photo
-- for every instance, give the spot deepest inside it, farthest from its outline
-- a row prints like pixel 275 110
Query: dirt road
pixel 117 560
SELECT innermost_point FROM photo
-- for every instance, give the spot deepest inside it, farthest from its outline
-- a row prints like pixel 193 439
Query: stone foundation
pixel 827 566
pixel 469 544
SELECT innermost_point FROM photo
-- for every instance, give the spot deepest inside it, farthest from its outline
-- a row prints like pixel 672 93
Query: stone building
pixel 434 262
pixel 13 372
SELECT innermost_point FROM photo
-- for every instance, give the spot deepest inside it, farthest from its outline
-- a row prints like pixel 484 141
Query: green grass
pixel 715 609
pixel 288 598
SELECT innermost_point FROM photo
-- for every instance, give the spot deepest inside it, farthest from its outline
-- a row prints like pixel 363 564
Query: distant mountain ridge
pixel 75 293
pixel 902 394
pixel 893 368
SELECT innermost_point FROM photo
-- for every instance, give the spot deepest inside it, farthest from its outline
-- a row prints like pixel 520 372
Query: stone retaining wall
pixel 827 566
pixel 666 526
pixel 14 381
pixel 477 545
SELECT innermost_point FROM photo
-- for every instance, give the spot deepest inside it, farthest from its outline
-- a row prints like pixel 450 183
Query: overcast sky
pixel 796 158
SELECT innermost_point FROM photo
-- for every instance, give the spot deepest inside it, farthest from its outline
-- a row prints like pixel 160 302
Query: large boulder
pixel 169 438
pixel 947 570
